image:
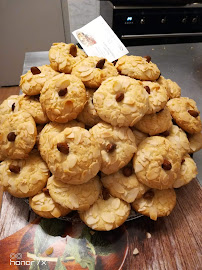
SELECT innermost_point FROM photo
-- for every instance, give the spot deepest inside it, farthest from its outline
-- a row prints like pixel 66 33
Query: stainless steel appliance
pixel 138 22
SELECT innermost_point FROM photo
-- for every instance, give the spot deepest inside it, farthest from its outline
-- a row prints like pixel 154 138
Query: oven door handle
pixel 197 34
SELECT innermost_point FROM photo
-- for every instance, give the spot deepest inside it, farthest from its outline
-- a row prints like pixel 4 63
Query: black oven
pixel 138 24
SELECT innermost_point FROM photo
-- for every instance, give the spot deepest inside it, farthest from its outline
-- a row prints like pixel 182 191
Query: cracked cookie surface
pixel 186 114
pixel 50 131
pixel 174 89
pixel 64 56
pixel 74 197
pixel 157 163
pixel 89 115
pixel 106 215
pixel 33 81
pixel 44 206
pixel 24 178
pixel 187 172
pixel 157 96
pixel 63 98
pixel 179 139
pixel 32 105
pixel 94 70
pixel 17 135
pixel 137 67
pixel 117 146
pixel 121 101
pixel 156 203
pixel 74 156
pixel 155 123
pixel 195 141
pixel 124 185
pixel 9 105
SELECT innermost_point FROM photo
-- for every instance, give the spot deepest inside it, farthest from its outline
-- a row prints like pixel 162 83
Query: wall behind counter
pixel 82 12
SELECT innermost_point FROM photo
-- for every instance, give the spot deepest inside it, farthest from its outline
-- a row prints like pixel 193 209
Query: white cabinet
pixel 25 26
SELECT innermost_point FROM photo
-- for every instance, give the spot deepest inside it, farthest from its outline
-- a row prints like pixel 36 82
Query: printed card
pixel 98 39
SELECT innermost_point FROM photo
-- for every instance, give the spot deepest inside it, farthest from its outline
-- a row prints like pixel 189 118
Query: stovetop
pixel 154 3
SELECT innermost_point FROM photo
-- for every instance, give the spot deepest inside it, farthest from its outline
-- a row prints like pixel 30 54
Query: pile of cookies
pixel 98 137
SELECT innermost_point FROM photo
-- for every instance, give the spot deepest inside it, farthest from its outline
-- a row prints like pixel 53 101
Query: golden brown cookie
pixel 75 197
pixel 186 114
pixel 74 156
pixel 195 141
pixel 10 105
pixel 179 139
pixel 117 146
pixel 106 215
pixel 121 101
pixel 155 123
pixel 187 172
pixel 124 184
pixel 163 82
pixel 33 81
pixel 32 105
pixel 157 96
pixel 94 70
pixel 156 203
pixel 138 67
pixel 24 178
pixel 89 115
pixel 174 89
pixel 63 98
pixel 139 136
pixel 157 163
pixel 44 206
pixel 50 131
pixel 64 56
pixel 17 135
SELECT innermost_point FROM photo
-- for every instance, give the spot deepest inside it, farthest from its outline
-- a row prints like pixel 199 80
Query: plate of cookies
pixel 107 141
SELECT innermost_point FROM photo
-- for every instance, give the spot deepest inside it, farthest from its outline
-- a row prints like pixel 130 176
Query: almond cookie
pixel 32 105
pixel 106 215
pixel 174 89
pixel 139 136
pixel 157 96
pixel 75 197
pixel 155 123
pixel 10 105
pixel 138 67
pixel 89 115
pixel 186 114
pixel 195 141
pixel 163 82
pixel 39 129
pixel 17 135
pixel 156 203
pixel 157 163
pixel 117 146
pixel 124 184
pixel 2 157
pixel 24 178
pixel 179 139
pixel 64 56
pixel 74 156
pixel 121 101
pixel 187 173
pixel 33 81
pixel 94 70
pixel 63 98
pixel 44 206
pixel 50 131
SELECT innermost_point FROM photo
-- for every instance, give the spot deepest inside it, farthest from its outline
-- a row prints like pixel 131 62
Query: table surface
pixel 176 240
